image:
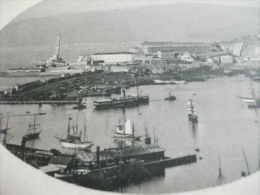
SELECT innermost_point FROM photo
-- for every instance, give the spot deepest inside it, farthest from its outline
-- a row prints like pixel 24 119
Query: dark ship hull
pixel 32 136
pixel 193 117
pixel 121 102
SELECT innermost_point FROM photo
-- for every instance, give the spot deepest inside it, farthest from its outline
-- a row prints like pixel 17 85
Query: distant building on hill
pixel 226 59
pixel 112 58
pixel 150 48
pixel 167 54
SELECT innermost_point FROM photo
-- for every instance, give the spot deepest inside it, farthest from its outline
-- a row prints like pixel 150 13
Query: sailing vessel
pixel 192 111
pixel 6 128
pixel 73 139
pixel 33 131
pixel 124 131
pixel 252 102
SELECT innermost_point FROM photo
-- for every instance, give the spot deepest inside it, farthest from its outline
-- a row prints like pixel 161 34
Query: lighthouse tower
pixel 57 49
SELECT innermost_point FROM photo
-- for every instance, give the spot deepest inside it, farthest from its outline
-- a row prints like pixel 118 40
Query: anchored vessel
pixel 125 101
pixel 170 98
pixel 33 131
pixel 4 130
pixel 73 139
pixel 80 105
pixel 125 131
pixel 192 111
pixel 252 102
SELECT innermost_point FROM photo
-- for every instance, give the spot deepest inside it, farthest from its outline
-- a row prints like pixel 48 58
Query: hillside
pixel 174 22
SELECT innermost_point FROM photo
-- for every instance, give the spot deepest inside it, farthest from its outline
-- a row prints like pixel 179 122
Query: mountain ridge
pixel 174 22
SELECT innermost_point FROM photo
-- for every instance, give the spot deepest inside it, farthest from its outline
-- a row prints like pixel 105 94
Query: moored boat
pixel 252 102
pixel 124 131
pixel 124 101
pixel 62 175
pixel 80 105
pixel 33 131
pixel 170 98
pixel 192 115
pixel 73 139
pixel 4 130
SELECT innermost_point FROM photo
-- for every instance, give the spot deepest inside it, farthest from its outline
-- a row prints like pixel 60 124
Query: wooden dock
pixel 172 162
pixel 59 102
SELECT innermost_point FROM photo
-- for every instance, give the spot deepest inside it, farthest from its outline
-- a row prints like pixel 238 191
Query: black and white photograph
pixel 129 97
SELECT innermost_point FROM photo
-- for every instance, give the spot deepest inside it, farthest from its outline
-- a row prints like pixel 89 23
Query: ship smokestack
pixel 123 92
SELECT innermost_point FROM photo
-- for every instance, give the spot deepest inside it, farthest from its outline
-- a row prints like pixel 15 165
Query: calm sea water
pixel 15 57
pixel 226 126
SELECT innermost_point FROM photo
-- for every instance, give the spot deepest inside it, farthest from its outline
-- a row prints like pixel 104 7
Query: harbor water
pixel 226 127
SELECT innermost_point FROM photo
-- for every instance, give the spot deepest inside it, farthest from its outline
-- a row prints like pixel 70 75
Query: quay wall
pixel 39 102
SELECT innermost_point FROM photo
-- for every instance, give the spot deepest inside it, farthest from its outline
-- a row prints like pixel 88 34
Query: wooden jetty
pixel 58 102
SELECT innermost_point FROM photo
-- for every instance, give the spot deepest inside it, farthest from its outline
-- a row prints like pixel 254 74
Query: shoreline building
pixel 150 48
pixel 112 58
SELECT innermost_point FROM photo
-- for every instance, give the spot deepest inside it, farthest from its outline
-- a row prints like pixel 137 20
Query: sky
pixel 9 9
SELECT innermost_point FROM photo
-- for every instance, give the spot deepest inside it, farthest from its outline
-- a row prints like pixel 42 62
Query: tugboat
pixel 170 98
pixel 80 105
pixel 73 139
pixel 192 111
pixel 33 131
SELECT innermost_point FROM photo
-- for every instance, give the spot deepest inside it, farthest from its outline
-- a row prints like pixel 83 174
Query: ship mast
pixel 1 122
pixel 77 125
pixel 6 122
pixel 133 132
pixel 248 171
pixel 85 129
pixel 34 124
pixel 69 125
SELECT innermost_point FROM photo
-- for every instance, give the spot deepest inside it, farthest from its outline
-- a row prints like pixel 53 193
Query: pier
pixel 59 102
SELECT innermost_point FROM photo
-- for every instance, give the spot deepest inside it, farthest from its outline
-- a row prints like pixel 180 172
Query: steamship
pixel 124 101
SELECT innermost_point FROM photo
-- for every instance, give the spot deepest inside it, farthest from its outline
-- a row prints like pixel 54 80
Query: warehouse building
pixel 150 48
pixel 112 58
